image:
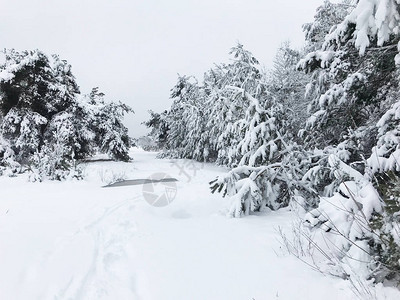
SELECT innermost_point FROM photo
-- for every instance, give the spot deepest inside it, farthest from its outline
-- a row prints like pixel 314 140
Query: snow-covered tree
pixel 343 166
pixel 354 110
pixel 56 158
pixel 242 77
pixel 287 85
pixel 215 108
pixel 203 119
pixel 326 18
pixel 32 80
pixel 159 128
pixel 260 177
pixel 8 162
pixel 111 134
pixel 183 110
pixel 352 72
pixel 45 124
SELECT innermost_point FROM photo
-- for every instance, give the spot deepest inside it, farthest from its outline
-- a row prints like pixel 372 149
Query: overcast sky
pixel 134 49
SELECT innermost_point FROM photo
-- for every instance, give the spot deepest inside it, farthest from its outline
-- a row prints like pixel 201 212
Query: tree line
pixel 321 126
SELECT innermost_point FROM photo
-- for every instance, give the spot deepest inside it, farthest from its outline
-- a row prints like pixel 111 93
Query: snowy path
pixel 76 240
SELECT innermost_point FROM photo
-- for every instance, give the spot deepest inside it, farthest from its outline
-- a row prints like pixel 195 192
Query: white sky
pixel 134 49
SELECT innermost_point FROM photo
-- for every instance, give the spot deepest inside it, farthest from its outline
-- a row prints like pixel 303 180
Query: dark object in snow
pixel 139 182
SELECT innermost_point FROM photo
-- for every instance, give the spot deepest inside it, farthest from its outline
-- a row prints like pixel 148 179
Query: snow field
pixel 77 240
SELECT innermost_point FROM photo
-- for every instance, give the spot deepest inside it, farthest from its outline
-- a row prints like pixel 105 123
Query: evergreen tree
pixel 242 77
pixel 46 124
pixel 159 128
pixel 287 85
pixel 355 89
pixel 348 88
pixel 183 109
pixel 111 135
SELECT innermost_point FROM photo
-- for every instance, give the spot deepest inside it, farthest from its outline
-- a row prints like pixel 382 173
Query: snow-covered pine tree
pixel 270 167
pixel 326 18
pixel 383 168
pixel 215 108
pixel 159 128
pixel 203 120
pixel 8 162
pixel 350 80
pixel 46 124
pixel 348 93
pixel 195 120
pixel 23 130
pixel 385 154
pixel 33 89
pixel 56 159
pixel 355 77
pixel 256 183
pixel 182 118
pixel 112 132
pixel 111 136
pixel 242 77
pixel 287 85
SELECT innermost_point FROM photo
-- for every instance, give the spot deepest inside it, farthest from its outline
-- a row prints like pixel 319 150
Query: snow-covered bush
pixel 386 248
pixel 147 143
pixel 109 177
pixel 8 161
pixel 361 224
pixel 250 188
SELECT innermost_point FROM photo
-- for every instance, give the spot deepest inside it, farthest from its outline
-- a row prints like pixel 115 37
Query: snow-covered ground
pixel 78 240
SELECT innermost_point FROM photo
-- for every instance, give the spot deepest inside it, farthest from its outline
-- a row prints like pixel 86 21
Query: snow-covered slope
pixel 77 240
